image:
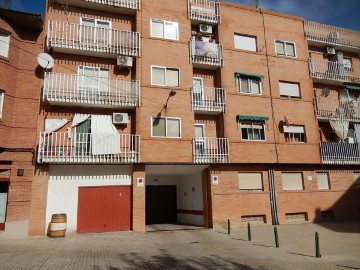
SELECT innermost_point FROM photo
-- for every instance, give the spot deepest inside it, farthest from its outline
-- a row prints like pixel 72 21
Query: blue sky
pixel 343 13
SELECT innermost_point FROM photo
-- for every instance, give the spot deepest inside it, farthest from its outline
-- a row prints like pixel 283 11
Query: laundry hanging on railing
pixel 357 132
pixel 206 49
pixel 78 119
pixel 52 125
pixel 341 128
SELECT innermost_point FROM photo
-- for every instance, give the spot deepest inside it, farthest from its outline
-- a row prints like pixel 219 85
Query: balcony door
pixel 82 138
pixel 199 139
pixel 93 82
pixel 198 91
pixel 95 34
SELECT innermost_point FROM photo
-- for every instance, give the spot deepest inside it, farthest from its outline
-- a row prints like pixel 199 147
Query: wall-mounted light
pixel 171 94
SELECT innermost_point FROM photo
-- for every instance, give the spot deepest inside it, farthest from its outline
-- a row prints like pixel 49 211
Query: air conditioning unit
pixel 205 29
pixel 120 118
pixel 330 50
pixel 334 35
pixel 124 61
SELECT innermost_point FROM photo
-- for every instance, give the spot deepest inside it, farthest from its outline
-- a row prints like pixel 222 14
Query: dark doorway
pixel 4 187
pixel 161 204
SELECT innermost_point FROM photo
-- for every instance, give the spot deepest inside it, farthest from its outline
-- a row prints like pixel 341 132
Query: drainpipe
pixel 273 199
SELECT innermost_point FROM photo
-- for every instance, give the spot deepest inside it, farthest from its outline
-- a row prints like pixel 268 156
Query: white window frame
pixel 293 134
pixel 95 20
pixel 249 78
pixel 164 24
pixel 248 36
pixel 166 118
pixel 2 95
pixel 7 44
pixel 286 82
pixel 285 42
pixel 165 68
pixel 252 123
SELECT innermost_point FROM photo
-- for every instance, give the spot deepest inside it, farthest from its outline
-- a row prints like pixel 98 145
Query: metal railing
pixel 204 10
pixel 328 70
pixel 132 4
pixel 327 108
pixel 210 150
pixel 206 53
pixel 208 99
pixel 74 88
pixel 332 35
pixel 60 147
pixel 340 153
pixel 89 38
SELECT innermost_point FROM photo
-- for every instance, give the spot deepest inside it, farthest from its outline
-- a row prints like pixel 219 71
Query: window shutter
pixel 173 128
pixel 290 49
pixel 323 180
pixel 158 76
pixel 289 89
pixel 280 47
pixel 294 129
pixel 245 42
pixel 292 181
pixel 250 181
pixel 172 77
pixel 199 131
pixel 158 127
pixel 255 86
pixel 244 85
pixel 171 30
pixel 4 44
pixel 157 28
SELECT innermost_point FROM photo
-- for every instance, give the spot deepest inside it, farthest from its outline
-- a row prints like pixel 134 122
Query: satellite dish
pixel 45 60
pixel 286 121
pixel 325 92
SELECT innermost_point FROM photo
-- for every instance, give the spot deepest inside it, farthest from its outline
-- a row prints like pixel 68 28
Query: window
pixel 166 127
pixel 285 48
pixel 288 89
pixel 347 63
pixel 165 76
pixel 292 181
pixel 95 23
pixel 357 179
pixel 244 42
pixel 260 219
pixel 4 44
pixel 323 180
pixel 164 29
pixel 295 217
pixel 250 181
pixel 249 85
pixel 93 80
pixel 294 134
pixel 2 95
pixel 252 131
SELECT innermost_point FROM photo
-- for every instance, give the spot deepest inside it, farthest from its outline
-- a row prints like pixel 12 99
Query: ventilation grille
pixel 253 219
pixel 295 217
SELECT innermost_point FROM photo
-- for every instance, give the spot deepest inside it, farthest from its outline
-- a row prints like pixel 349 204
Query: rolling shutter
pixel 292 181
pixel 250 181
pixel 157 28
pixel 173 128
pixel 172 77
pixel 171 30
pixel 290 49
pixel 323 180
pixel 289 89
pixel 245 42
pixel 294 129
pixel 279 45
pixel 4 44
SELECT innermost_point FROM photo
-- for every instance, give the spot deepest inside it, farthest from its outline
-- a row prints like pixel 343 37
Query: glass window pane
pixel 244 85
pixel 255 86
pixel 4 44
pixel 171 30
pixel 244 134
pixel 157 29
pixel 103 24
pixel 158 76
pixel 173 128
pixel 290 49
pixel 158 127
pixel 280 49
pixel 88 22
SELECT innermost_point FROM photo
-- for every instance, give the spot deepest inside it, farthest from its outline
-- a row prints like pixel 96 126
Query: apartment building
pixel 185 111
pixel 20 87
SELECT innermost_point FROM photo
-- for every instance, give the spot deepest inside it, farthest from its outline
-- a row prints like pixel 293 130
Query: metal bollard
pixel 249 232
pixel 317 245
pixel 276 237
pixel 228 226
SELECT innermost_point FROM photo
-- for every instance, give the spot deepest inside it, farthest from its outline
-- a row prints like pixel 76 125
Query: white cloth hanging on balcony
pixel 78 119
pixel 341 128
pixel 105 139
pixel 52 125
pixel 357 132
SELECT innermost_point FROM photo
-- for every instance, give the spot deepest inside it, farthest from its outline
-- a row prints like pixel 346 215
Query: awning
pixel 352 86
pixel 252 117
pixel 238 74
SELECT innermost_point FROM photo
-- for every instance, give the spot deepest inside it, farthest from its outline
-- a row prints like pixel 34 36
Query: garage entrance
pixel 161 204
pixel 104 209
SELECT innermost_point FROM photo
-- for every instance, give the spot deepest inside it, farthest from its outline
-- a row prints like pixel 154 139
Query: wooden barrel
pixel 57 227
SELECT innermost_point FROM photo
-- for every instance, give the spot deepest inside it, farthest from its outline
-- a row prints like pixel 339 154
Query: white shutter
pixel 244 85
pixel 157 28
pixel 290 49
pixel 292 181
pixel 289 89
pixel 255 86
pixel 158 76
pixel 199 131
pixel 158 127
pixel 280 47
pixel 4 44
pixel 171 30
pixel 172 77
pixel 250 181
pixel 323 180
pixel 245 42
pixel 294 129
pixel 173 128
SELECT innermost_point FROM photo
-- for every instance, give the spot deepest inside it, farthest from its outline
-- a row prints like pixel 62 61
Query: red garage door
pixel 104 209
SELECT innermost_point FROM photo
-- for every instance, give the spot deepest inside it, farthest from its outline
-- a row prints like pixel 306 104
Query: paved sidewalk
pixel 190 249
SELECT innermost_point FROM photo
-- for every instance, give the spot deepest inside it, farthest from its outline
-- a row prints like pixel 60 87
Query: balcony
pixel 204 11
pixel 80 90
pixel 331 109
pixel 340 153
pixel 210 150
pixel 206 55
pixel 324 71
pixel 91 41
pixel 208 99
pixel 340 38
pixel 115 6
pixel 60 148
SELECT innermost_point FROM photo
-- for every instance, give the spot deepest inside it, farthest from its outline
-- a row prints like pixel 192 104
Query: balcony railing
pixel 334 71
pixel 332 35
pixel 208 99
pixel 340 153
pixel 204 10
pixel 206 53
pixel 327 108
pixel 94 39
pixel 210 150
pixel 85 90
pixel 132 4
pixel 116 5
pixel 77 148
